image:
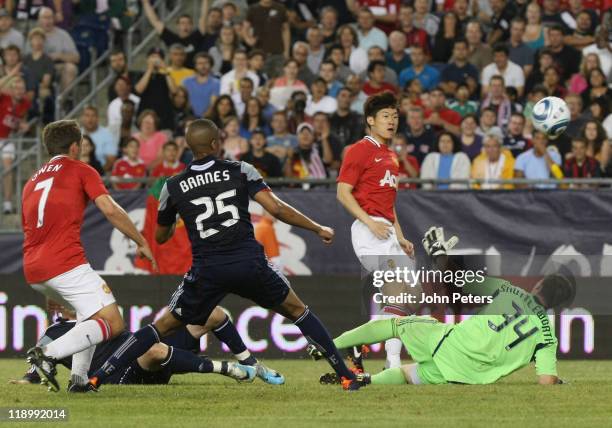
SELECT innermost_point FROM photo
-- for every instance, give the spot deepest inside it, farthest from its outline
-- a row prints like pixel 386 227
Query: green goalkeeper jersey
pixel 506 335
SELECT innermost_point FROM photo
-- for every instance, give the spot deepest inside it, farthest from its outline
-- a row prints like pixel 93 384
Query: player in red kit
pixel 54 261
pixel 367 187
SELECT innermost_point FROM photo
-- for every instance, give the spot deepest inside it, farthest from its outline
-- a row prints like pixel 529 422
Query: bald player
pixel 212 198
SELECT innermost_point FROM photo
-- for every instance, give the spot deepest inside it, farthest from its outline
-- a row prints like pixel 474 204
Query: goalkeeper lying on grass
pixel 506 335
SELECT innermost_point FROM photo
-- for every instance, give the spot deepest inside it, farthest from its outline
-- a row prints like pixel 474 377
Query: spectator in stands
pixel 354 84
pixel 128 126
pixel 579 164
pixel 181 108
pixel 329 24
pixel 447 33
pixel 222 109
pixel 119 68
pixel 284 87
pixel 257 60
pixel 598 89
pixel 459 71
pixel 281 142
pixel 603 49
pixel 488 121
pixel 577 120
pixel 514 140
pixel 222 52
pixel 196 40
pixel 155 89
pixel 41 70
pixel 498 101
pixel 316 49
pixel 536 77
pixel 425 20
pixel 230 81
pixel 536 35
pixel 367 33
pixel 263 95
pixel 552 83
pixel 427 74
pixel 234 144
pixel 14 105
pixel 584 33
pixel 376 83
pixel 397 59
pixel 480 54
pixel 440 117
pixel 129 166
pixel 566 57
pixel 353 56
pixel 300 53
pixel 177 70
pixel 265 162
pixel 578 82
pixel 106 143
pixel 598 145
pixel 327 141
pixel 327 72
pixel 471 143
pixel 309 159
pixel 384 12
pixel 346 125
pixel 151 139
pixel 319 101
pixel 375 53
pixel 253 119
pixel 420 135
pixel 60 47
pixel 12 64
pixel 518 51
pixel 9 35
pixel 88 154
pixel 539 162
pixel 461 9
pixel 414 36
pixel 494 163
pixel 462 103
pixel 243 96
pixel 513 74
pixel 170 165
pixel 500 21
pixel 267 28
pixel 446 163
pixel 575 7
pixel 114 114
pixel 203 88
pixel 335 53
pixel 408 164
pixel 551 14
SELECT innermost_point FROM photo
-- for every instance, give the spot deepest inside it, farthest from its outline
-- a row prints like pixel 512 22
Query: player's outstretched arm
pixel 120 220
pixel 287 214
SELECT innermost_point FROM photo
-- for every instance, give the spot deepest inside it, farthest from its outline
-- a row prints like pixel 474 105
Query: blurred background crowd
pixel 285 81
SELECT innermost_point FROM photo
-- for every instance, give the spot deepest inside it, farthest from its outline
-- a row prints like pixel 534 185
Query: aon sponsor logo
pixel 388 180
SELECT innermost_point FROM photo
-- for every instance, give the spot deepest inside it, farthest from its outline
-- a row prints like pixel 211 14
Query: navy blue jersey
pixel 212 198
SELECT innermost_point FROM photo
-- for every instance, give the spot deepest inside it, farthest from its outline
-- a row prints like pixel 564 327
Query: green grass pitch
pixel 213 401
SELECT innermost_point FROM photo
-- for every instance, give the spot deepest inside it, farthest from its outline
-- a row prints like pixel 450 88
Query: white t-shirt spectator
pixel 376 37
pixel 326 104
pixel 113 114
pixel 513 74
pixel 605 57
pixel 230 86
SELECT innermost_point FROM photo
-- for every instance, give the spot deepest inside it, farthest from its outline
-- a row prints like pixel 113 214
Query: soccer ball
pixel 551 115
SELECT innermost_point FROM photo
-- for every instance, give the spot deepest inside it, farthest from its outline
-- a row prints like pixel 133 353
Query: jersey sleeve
pixel 166 213
pixel 546 360
pixel 352 165
pixel 92 182
pixel 254 181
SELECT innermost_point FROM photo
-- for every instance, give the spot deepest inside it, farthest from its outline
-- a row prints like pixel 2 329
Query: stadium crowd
pixel 285 81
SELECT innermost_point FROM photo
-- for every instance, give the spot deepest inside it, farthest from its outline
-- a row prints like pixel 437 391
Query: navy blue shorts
pixel 204 288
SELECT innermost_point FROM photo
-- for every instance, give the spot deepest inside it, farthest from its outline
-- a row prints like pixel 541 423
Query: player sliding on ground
pixel 367 187
pixel 212 198
pixel 54 262
pixel 506 335
pixel 176 354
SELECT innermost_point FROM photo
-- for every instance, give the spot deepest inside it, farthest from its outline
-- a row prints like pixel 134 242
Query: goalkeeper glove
pixel 434 242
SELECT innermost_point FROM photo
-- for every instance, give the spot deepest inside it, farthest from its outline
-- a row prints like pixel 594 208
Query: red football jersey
pixel 53 202
pixel 382 7
pixel 125 168
pixel 372 169
pixel 11 114
pixel 167 170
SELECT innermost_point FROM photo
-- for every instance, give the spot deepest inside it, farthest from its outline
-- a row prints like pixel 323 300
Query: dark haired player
pixel 175 354
pixel 506 334
pixel 212 198
pixel 367 187
pixel 54 262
